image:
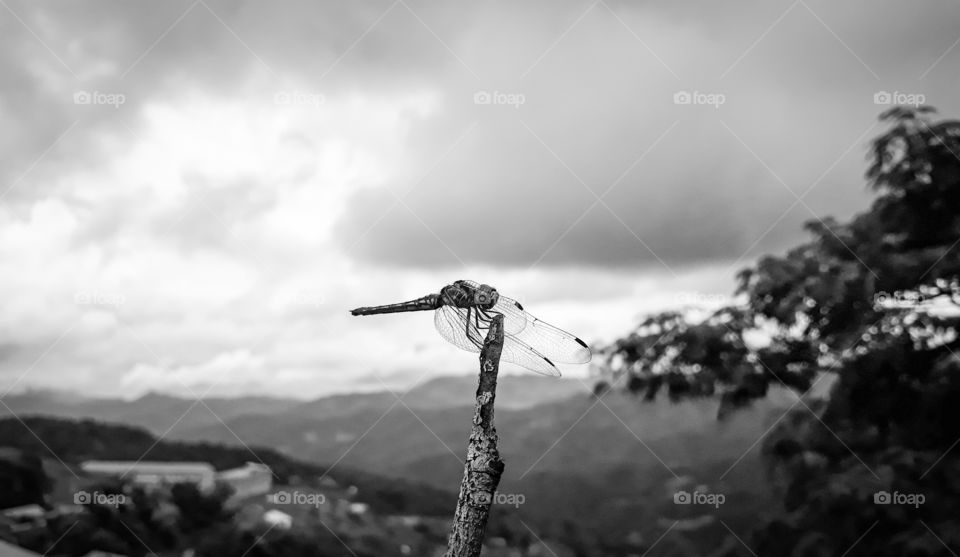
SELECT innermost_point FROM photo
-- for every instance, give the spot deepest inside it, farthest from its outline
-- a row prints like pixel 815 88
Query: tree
pixel 874 301
pixel 893 416
pixel 22 479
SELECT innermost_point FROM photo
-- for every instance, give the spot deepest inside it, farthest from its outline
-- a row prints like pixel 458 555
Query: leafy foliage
pixel 689 358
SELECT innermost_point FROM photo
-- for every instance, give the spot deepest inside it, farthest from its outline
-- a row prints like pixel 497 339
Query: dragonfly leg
pixel 466 331
pixel 487 319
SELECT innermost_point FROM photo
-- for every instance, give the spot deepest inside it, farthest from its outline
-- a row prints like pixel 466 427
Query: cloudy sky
pixel 193 194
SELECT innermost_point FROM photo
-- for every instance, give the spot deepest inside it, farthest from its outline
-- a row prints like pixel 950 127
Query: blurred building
pixel 358 508
pixel 154 474
pixel 25 512
pixel 278 519
pixel 248 480
pixel 25 518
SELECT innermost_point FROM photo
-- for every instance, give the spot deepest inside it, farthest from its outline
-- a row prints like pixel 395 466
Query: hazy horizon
pixel 397 384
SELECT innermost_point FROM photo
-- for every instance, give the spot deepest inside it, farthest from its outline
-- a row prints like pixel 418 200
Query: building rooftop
pixel 24 511
pixel 122 466
pixel 244 471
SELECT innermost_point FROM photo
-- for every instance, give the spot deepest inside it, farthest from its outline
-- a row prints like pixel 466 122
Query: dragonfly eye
pixel 485 297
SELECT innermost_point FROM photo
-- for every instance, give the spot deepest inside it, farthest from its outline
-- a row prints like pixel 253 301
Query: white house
pixel 154 474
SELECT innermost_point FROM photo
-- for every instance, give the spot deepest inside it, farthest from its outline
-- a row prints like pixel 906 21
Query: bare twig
pixel 483 467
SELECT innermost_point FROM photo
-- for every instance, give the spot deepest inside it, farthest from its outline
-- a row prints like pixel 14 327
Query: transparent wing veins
pixel 467 328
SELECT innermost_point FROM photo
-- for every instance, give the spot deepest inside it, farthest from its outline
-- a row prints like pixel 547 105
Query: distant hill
pixel 393 438
pixel 153 411
pixel 185 418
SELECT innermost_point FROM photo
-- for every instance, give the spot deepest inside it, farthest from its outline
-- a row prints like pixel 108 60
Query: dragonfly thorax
pixel 462 294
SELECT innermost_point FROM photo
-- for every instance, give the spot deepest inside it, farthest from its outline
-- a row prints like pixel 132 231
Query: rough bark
pixel 483 467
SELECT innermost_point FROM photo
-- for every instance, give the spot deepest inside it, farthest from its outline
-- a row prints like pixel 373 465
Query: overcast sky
pixel 195 193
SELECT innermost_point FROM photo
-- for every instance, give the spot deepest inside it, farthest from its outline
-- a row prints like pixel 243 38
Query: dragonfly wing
pixel 554 343
pixel 452 324
pixel 466 330
pixel 514 317
pixel 518 352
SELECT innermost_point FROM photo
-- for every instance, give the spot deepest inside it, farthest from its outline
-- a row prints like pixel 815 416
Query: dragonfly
pixel 464 311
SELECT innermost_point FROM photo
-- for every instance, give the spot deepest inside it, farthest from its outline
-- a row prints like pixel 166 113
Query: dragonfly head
pixel 486 296
pixel 464 294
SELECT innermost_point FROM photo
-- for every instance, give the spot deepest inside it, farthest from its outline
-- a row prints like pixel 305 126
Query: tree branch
pixel 483 467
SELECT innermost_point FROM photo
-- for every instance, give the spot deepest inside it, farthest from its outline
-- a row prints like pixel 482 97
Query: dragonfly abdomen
pixel 426 303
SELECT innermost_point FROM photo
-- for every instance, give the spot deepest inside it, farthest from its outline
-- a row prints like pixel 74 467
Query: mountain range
pixel 612 462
